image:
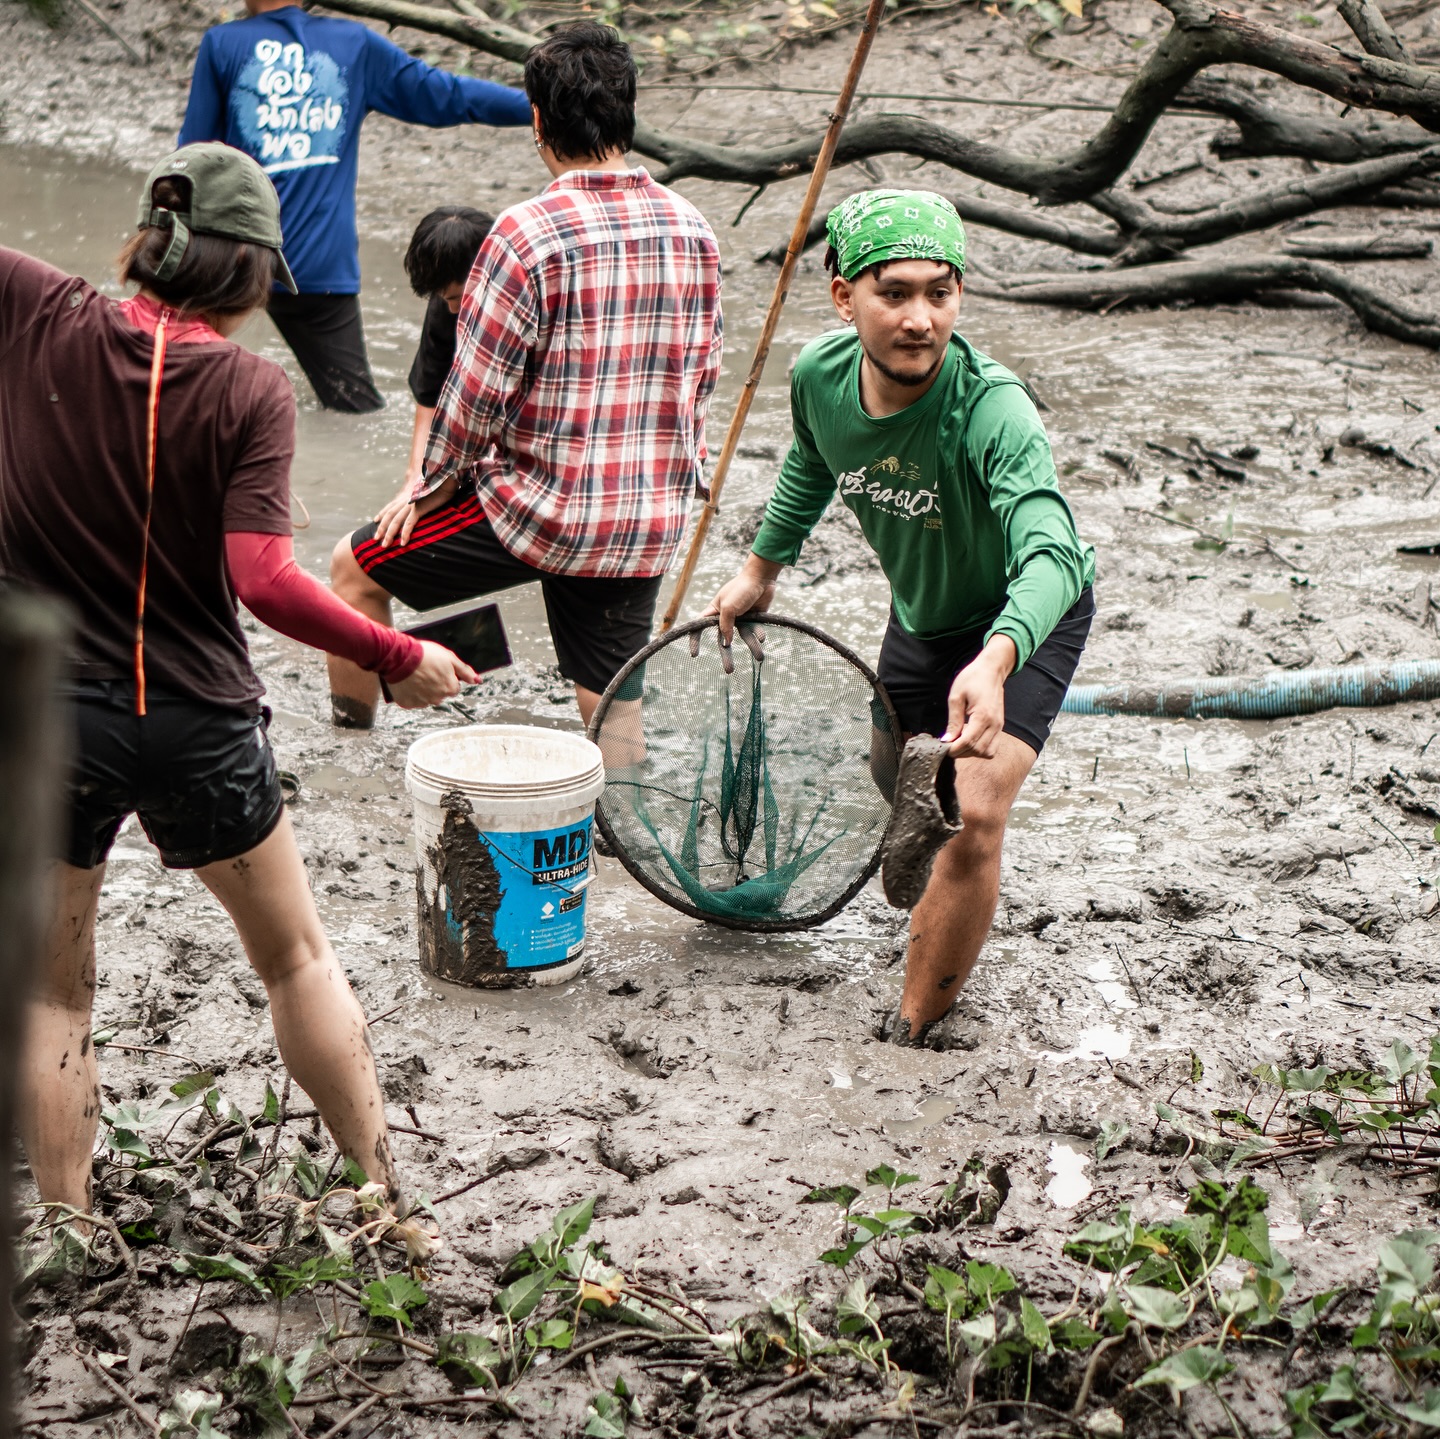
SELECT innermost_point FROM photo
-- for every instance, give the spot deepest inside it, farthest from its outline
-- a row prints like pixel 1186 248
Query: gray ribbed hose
pixel 1270 696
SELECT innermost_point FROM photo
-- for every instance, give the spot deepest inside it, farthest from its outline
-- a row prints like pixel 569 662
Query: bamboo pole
pixel 777 303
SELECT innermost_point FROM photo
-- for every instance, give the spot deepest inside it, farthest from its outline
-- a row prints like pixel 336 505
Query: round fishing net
pixel 750 786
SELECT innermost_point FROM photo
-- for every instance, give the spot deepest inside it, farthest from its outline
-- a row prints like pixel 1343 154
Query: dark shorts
pixel 454 554
pixel 917 675
pixel 201 777
pixel 326 335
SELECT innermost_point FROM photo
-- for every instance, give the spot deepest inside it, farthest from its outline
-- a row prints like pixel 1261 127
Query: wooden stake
pixel 777 303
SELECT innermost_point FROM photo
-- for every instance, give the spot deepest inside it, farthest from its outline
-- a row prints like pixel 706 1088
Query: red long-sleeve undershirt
pixel 280 594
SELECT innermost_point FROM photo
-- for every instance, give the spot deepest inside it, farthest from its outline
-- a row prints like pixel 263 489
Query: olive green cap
pixel 230 196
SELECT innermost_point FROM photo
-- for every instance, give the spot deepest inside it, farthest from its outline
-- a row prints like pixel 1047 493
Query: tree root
pixel 1214 282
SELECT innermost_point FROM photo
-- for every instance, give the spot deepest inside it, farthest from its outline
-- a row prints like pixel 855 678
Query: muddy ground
pixel 1177 896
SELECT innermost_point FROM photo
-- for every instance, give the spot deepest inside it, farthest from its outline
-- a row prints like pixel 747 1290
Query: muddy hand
pixel 438 677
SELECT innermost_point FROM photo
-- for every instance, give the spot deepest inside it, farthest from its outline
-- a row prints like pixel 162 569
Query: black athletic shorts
pixel 328 339
pixel 454 554
pixel 201 777
pixel 917 675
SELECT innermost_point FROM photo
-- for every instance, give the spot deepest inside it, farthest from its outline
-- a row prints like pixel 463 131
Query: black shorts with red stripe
pixel 454 554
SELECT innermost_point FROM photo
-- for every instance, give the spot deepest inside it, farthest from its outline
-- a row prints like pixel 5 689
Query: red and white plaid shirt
pixel 588 347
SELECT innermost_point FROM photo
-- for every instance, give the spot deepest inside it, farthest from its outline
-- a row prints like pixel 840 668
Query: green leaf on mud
pixel 210 1268
pixel 190 1415
pixel 890 1178
pixel 1157 1308
pixel 190 1084
pixel 1426 1413
pixel 285 1280
pixel 519 1300
pixel 945 1290
pixel 1073 1334
pixel 469 1359
pixel 1399 1062
pixel 1197 1069
pixel 857 1312
pixel 987 1282
pixel 845 1253
pixel 1182 1371
pixel 606 1418
pixel 1113 1133
pixel 1034 1327
pixel 552 1334
pixel 843 1195
pixel 393 1297
pixel 271 1109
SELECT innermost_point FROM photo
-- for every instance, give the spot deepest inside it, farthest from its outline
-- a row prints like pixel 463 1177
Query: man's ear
pixel 842 296
pixel 535 123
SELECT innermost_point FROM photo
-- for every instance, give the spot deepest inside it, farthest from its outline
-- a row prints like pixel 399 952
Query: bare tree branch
pixel 1032 224
pixel 1154 235
pixel 1265 130
pixel 1202 35
pixel 1216 281
pixel 1372 29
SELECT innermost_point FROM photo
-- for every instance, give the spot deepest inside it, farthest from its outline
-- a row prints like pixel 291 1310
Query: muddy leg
pixel 319 1025
pixel 354 693
pixel 59 1084
pixel 949 925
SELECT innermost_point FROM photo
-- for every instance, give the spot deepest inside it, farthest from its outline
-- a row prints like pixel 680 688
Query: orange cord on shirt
pixel 152 420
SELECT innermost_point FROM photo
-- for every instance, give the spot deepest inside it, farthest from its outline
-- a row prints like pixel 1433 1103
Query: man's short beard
pixel 910 381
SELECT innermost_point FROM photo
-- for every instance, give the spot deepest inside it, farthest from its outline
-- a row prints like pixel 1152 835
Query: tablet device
pixel 477 636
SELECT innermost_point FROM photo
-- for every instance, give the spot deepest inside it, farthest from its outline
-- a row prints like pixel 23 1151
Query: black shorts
pixel 454 554
pixel 917 675
pixel 326 335
pixel 201 777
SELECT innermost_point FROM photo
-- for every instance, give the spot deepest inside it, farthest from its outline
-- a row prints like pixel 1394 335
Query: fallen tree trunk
pixel 1213 282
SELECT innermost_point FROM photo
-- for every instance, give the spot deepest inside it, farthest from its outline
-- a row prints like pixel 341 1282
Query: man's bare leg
pixel 950 924
pixel 623 741
pixel 319 1025
pixel 59 1083
pixel 355 693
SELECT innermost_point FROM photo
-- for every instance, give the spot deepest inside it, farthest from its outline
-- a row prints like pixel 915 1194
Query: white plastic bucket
pixel 503 817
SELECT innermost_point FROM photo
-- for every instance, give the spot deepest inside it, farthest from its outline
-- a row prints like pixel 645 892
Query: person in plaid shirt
pixel 569 438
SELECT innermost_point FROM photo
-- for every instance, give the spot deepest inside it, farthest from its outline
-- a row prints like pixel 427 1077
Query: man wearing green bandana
pixel 942 457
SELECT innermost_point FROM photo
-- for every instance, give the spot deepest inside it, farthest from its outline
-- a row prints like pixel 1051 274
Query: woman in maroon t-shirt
pixel 144 480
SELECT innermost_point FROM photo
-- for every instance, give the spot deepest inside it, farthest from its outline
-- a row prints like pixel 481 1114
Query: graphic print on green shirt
pixel 956 494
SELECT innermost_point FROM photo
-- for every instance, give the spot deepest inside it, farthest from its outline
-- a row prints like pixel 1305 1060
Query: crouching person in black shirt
pixel 442 250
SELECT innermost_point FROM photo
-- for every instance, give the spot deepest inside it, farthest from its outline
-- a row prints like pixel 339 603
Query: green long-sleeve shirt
pixel 956 494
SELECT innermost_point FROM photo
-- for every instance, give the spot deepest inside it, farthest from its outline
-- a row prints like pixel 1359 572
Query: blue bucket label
pixel 540 920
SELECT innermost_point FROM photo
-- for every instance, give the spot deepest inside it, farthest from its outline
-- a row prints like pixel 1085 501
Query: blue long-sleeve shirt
pixel 292 89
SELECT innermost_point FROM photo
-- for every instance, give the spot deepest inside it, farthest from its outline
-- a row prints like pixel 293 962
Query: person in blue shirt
pixel 292 89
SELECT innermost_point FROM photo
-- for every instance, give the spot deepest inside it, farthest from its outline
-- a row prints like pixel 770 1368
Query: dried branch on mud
pixel 1263 130
pixel 1215 282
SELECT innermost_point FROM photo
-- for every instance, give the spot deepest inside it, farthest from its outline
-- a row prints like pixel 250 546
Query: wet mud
pixel 1182 900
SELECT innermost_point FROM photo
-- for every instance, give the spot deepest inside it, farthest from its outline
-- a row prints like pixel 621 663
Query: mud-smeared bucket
pixel 503 819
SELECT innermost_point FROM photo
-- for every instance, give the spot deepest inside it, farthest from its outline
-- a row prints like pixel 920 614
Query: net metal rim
pixel 766 620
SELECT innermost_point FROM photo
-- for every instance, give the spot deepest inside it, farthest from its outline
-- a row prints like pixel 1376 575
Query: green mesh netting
pixel 752 799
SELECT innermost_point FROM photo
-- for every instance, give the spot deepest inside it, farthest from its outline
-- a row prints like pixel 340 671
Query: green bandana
pixel 879 225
